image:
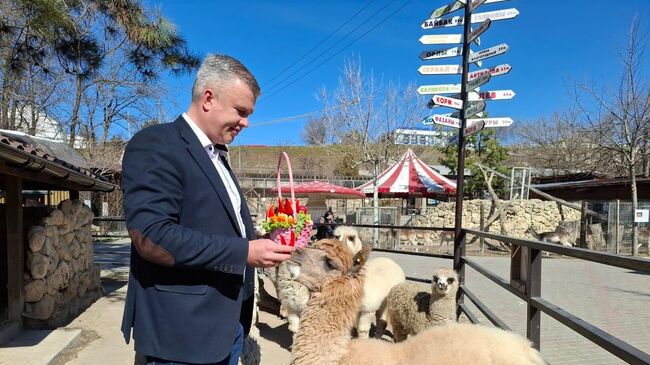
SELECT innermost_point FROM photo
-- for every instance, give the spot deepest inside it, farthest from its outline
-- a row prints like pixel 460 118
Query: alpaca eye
pixel 435 278
pixel 450 280
pixel 331 265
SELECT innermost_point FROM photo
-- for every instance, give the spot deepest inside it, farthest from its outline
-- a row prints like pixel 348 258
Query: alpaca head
pixel 349 236
pixel 445 281
pixel 325 261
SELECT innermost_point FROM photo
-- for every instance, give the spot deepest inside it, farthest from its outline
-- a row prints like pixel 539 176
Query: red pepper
pixel 283 241
pixel 288 209
pixel 280 206
pixel 297 205
pixel 270 212
pixel 293 239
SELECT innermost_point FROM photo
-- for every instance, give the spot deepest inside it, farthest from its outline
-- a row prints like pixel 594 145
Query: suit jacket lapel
pixel 245 213
pixel 203 160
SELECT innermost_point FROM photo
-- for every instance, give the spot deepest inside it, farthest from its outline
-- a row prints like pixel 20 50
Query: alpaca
pixel 381 274
pixel 413 307
pixel 335 278
pixel 559 236
pixel 447 236
pixel 293 296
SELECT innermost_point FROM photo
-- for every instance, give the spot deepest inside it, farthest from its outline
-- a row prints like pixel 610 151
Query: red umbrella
pixel 322 188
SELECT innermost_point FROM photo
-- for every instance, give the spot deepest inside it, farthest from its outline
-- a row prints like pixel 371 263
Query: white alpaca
pixel 335 279
pixel 413 307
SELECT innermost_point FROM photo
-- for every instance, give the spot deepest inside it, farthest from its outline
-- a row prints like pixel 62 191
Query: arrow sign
pixel 445 120
pixel 474 108
pixel 444 10
pixel 445 101
pixel 493 122
pixel 494 71
pixel 487 2
pixel 488 52
pixel 439 89
pixel 440 39
pixel 439 69
pixel 474 83
pixel 473 128
pixel 478 31
pixel 476 18
pixel 474 4
pixel 441 53
pixel 457 114
pixel 496 95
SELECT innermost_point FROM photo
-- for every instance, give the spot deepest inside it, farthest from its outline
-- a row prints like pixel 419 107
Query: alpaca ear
pixel 360 258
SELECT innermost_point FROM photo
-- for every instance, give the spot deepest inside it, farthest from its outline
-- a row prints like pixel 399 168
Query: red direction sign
pixel 496 95
pixel 445 101
pixel 493 122
pixel 442 120
pixel 473 128
pixel 494 71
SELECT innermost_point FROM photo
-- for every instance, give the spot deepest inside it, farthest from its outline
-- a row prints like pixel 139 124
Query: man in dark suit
pixel 189 298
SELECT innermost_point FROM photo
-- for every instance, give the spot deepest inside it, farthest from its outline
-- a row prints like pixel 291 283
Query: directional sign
pixel 474 108
pixel 494 71
pixel 495 95
pixel 492 122
pixel 473 128
pixel 439 69
pixel 478 31
pixel 444 10
pixel 445 101
pixel 487 2
pixel 445 120
pixel 457 114
pixel 473 5
pixel 488 52
pixel 474 83
pixel 476 18
pixel 440 39
pixel 439 89
pixel 441 53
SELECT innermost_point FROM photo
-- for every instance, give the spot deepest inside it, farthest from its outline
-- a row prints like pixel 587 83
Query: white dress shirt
pixel 233 193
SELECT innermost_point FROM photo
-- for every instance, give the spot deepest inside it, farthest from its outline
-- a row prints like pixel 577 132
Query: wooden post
pixel 533 290
pixel 583 225
pixel 618 224
pixel 15 252
pixel 482 223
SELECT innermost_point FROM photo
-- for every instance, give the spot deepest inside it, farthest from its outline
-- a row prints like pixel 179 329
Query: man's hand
pixel 266 253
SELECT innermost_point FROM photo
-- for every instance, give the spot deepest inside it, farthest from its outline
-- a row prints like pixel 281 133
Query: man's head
pixel 223 97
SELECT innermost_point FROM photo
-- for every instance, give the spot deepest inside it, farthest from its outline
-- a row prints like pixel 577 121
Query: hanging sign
pixel 439 69
pixel 440 39
pixel 441 53
pixel 438 89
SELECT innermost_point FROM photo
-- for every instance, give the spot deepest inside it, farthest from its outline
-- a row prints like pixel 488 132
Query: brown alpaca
pixel 335 277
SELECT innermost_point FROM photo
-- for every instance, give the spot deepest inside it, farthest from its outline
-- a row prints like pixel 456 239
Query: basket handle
pixel 284 156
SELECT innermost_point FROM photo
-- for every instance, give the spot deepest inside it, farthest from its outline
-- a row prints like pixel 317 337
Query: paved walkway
pixel 616 300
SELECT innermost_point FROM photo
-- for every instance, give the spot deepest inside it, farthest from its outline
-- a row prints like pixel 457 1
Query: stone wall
pixel 541 216
pixel 60 278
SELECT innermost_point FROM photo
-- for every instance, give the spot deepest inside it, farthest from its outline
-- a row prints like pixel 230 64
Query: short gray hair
pixel 217 70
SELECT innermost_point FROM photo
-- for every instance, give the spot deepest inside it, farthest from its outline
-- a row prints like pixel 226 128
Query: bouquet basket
pixel 289 223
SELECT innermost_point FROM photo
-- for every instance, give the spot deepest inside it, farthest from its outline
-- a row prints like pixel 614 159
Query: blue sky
pixel 551 43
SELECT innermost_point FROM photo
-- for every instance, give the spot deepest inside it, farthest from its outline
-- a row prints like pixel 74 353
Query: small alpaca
pixel 350 236
pixel 559 236
pixel 335 277
pixel 412 307
pixel 447 236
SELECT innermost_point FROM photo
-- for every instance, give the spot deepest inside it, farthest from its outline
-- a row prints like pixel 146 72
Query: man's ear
pixel 360 259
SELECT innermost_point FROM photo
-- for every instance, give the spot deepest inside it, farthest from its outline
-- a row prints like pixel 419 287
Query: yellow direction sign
pixel 439 89
pixel 440 39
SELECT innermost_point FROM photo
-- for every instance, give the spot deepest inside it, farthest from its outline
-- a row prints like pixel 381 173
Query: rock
pixel 33 291
pixel 54 262
pixel 37 265
pixel 42 309
pixel 36 238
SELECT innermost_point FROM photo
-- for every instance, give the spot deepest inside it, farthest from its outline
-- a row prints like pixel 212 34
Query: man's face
pixel 227 111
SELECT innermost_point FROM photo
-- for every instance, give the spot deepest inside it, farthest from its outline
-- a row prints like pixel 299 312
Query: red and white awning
pixel 410 176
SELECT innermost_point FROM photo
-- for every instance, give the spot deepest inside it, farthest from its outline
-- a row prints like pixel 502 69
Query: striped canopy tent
pixel 410 177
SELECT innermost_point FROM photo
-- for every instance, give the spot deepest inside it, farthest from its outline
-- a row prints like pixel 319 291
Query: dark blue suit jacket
pixel 188 259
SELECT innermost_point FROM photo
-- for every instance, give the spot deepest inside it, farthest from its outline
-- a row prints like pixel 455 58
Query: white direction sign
pixel 444 10
pixel 440 39
pixel 476 82
pixel 495 95
pixel 441 53
pixel 487 2
pixel 493 122
pixel 438 89
pixel 445 101
pixel 494 71
pixel 488 52
pixel 478 31
pixel 476 18
pixel 457 114
pixel 445 120
pixel 474 108
pixel 473 128
pixel 439 69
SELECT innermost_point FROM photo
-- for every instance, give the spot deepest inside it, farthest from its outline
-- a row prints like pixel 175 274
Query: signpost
pixel 478 81
pixel 476 18
pixel 438 89
pixel 445 101
pixel 473 128
pixel 445 120
pixel 440 39
pixel 441 53
pixel 474 108
pixel 489 52
pixel 496 95
pixel 444 10
pixel 493 122
pixel 478 31
pixel 439 69
pixel 494 71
